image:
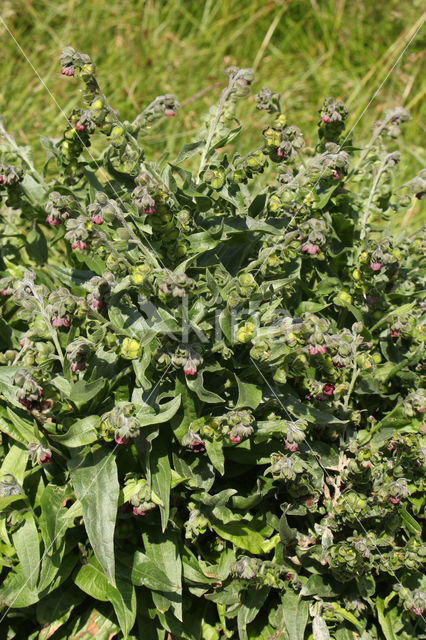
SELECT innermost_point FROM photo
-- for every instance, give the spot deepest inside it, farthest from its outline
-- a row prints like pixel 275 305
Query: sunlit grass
pixel 307 50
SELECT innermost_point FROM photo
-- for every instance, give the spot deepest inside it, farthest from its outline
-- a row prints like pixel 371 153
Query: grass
pixel 305 49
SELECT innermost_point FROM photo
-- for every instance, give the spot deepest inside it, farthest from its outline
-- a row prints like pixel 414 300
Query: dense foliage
pixel 211 388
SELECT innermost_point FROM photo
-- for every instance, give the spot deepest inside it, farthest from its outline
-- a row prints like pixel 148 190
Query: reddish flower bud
pixel 313 351
pixel 198 446
pixel 336 175
pixel 189 370
pixel 394 500
pixel 79 127
pixel 375 266
pixel 325 118
pixel 149 211
pixel 291 446
pixel 120 440
pixel 395 333
pixel 2 180
pixel 65 322
pixel 234 439
pixel 3 293
pixel 45 459
pixel 289 576
pixel 417 610
pixel 57 322
pixel 97 219
pixel 169 113
pixel 322 349
pixel 67 71
pixel 328 389
pixel 137 511
pixel 420 409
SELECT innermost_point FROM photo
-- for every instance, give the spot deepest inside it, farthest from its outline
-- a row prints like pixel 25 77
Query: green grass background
pixel 305 49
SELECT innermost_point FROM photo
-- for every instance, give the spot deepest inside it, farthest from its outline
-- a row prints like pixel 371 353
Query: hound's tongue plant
pixel 210 379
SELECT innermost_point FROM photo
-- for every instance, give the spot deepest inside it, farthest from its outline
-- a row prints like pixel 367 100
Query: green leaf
pixel 296 612
pixel 252 601
pixel 189 150
pixel 390 621
pixel 15 591
pixel 95 481
pixel 144 572
pixel 82 391
pixel 410 524
pixel 319 629
pixel 147 416
pixel 197 385
pixel 163 550
pixel 55 609
pixel 366 585
pixel 80 433
pixel 248 535
pixel 91 579
pixel 249 395
pixel 287 534
pixel 29 432
pixel 321 586
pixel 53 527
pixel 26 543
pixel 161 477
pixel 214 451
pixel 36 245
pixel 16 462
pixel 92 620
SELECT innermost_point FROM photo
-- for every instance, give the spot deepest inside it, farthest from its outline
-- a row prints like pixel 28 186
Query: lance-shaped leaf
pixel 27 546
pixel 95 482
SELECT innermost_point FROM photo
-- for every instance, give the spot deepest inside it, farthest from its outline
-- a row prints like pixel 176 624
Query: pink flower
pixel 336 175
pixel 322 349
pixel 2 180
pixel 97 219
pixel 375 266
pixel 137 511
pixel 169 113
pixel 65 322
pixel 395 334
pixel 420 409
pixel 289 576
pixel 79 245
pixel 394 500
pixel 313 351
pixel 190 368
pixel 57 322
pixel 417 611
pixel 198 446
pixel 291 446
pixel 45 458
pixel 328 389
pixel 79 127
pixel 234 439
pixel 280 153
pixel 312 249
pixel 3 293
pixel 78 366
pixel 149 211
pixel 120 440
pixel 67 71
pixel 325 118
pixel 52 221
